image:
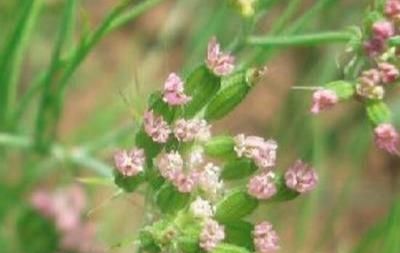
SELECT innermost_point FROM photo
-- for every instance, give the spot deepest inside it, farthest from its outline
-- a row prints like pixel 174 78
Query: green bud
pixel 170 200
pixel 128 184
pixel 234 206
pixel 283 192
pixel 201 85
pixel 229 248
pixel 343 89
pixel 157 104
pixel 238 169
pixel 221 147
pixel 378 112
pixel 235 88
pixel 189 244
pixel 36 234
pixel 239 233
pixel 147 242
pixel 144 141
pixel 394 41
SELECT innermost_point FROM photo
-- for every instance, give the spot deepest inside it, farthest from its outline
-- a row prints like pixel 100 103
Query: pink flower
pixel 221 64
pixel 392 9
pixel 374 47
pixel 262 186
pixel 201 208
pixel 170 164
pixel 156 127
pixel 174 91
pixel 388 72
pixel 382 30
pixel 323 99
pixel 209 181
pixel 265 238
pixel 81 239
pixel 129 163
pixel 368 85
pixel 42 201
pixel 301 177
pixel 211 235
pixel 190 130
pixel 185 183
pixel 387 138
pixel 261 151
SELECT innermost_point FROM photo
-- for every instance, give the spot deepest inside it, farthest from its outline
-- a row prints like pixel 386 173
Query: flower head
pixel 374 46
pixel 301 177
pixel 129 163
pixel 382 30
pixel 190 130
pixel 170 164
pixel 388 72
pixel 185 183
pixel 263 152
pixel 323 99
pixel 392 9
pixel 174 91
pixel 387 138
pixel 221 64
pixel 265 238
pixel 201 208
pixel 211 235
pixel 262 186
pixel 209 180
pixel 156 127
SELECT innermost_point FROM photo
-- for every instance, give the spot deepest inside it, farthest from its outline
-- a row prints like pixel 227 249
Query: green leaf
pixel 36 233
pixel 201 85
pixel 144 141
pixel 234 206
pixel 220 147
pixel 189 244
pixel 128 184
pixel 378 112
pixel 238 169
pixel 235 88
pixel 170 200
pixel 147 242
pixel 239 233
pixel 229 248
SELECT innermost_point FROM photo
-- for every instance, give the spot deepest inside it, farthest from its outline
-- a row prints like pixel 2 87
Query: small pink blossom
pixel 201 208
pixel 265 238
pixel 301 177
pixel 174 91
pixel 392 9
pixel 42 201
pixel 388 72
pixel 263 152
pixel 369 84
pixel 190 130
pixel 387 138
pixel 130 163
pixel 374 47
pixel 170 164
pixel 211 235
pixel 382 30
pixel 221 64
pixel 262 186
pixel 156 127
pixel 323 99
pixel 209 181
pixel 185 183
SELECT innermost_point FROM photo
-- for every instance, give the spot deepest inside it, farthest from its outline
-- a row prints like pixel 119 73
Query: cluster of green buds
pixel 203 188
pixel 372 74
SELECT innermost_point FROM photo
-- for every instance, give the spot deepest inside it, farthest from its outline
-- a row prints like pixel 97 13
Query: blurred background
pixel 356 206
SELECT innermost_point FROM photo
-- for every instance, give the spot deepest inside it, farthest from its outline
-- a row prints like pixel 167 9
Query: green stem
pixel 300 40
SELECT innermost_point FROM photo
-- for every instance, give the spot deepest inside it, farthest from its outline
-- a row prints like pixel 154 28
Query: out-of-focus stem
pixel 300 40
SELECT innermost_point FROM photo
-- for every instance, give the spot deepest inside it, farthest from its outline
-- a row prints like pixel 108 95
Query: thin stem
pixel 299 40
pixel 310 88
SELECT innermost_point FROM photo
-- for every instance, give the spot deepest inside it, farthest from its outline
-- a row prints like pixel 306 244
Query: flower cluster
pixel 65 207
pixel 378 74
pixel 174 153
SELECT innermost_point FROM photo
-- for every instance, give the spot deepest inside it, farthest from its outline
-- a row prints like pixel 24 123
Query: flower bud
pixel 221 147
pixel 235 205
pixel 387 138
pixel 238 169
pixel 378 112
pixel 239 233
pixel 229 248
pixel 343 89
pixel 170 200
pixel 128 183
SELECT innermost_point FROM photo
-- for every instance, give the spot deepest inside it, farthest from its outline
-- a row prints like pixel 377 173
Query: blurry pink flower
pixel 201 208
pixel 185 183
pixel 262 186
pixel 170 164
pixel 129 163
pixel 323 99
pixel 392 9
pixel 42 201
pixel 81 239
pixel 382 30
pixel 374 47
pixel 263 152
pixel 156 127
pixel 209 180
pixel 387 138
pixel 211 235
pixel 265 238
pixel 174 91
pixel 368 84
pixel 301 177
pixel 221 64
pixel 190 130
pixel 388 72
